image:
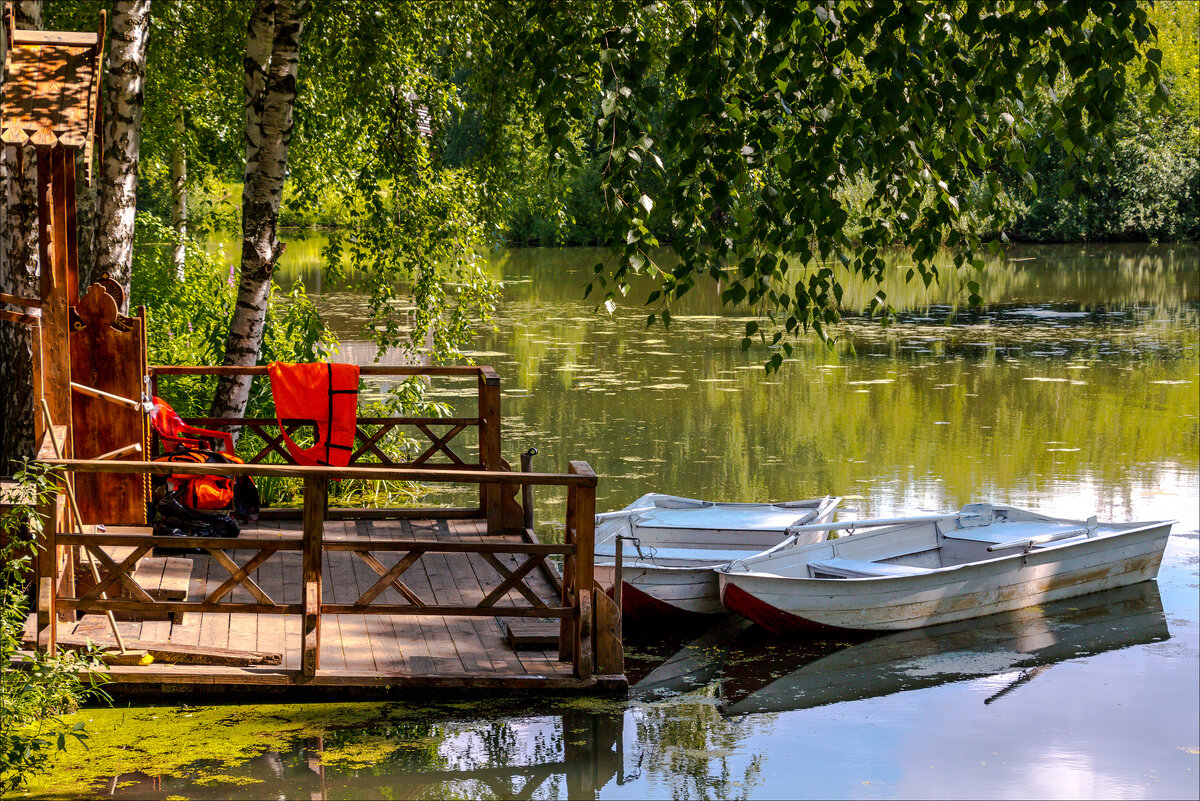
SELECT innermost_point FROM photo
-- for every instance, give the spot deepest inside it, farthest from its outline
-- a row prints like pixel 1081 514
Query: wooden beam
pixel 328 473
pixel 366 369
pixel 111 537
pixel 180 654
pixel 128 450
pixel 126 605
pixel 490 499
pixel 17 300
pixel 92 392
pixel 315 489
pixel 20 318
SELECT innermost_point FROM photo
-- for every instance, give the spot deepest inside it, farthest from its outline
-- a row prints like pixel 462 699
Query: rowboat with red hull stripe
pixel 938 569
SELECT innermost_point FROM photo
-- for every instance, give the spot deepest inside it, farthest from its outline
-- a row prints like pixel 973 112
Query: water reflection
pixel 1015 647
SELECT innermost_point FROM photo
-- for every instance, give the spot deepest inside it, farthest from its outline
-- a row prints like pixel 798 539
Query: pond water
pixel 1075 391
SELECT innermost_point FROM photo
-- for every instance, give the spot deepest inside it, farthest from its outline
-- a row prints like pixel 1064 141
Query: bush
pixel 38 690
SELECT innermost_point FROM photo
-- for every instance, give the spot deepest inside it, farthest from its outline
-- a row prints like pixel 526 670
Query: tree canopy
pixel 778 148
pixel 748 125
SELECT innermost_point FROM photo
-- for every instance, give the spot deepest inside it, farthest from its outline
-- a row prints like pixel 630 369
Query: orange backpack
pixel 211 493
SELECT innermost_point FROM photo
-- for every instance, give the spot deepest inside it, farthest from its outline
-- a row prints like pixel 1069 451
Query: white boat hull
pixel 682 541
pixel 791 603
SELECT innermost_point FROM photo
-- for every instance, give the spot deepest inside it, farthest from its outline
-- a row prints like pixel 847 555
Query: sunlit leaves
pixel 768 116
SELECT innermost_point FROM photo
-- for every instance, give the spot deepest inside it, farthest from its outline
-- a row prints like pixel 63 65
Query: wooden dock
pixel 339 597
pixel 359 649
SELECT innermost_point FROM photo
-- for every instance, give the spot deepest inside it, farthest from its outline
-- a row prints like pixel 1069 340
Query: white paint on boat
pixel 925 573
pixel 679 541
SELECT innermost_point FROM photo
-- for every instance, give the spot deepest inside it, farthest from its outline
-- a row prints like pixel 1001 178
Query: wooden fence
pixel 439 432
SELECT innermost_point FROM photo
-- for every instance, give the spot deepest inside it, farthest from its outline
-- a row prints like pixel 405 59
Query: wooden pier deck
pixel 357 649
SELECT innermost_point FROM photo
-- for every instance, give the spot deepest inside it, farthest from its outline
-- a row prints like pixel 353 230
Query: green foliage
pixel 1144 184
pixel 766 114
pixel 43 687
pixel 188 319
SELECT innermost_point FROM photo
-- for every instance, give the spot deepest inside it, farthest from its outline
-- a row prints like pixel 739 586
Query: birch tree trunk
pixel 123 101
pixel 272 62
pixel 179 196
pixel 18 276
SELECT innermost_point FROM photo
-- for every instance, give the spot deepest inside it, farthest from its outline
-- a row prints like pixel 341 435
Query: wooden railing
pixel 587 639
pixel 439 432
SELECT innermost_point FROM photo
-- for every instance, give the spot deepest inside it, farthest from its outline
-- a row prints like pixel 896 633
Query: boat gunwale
pixel 1050 547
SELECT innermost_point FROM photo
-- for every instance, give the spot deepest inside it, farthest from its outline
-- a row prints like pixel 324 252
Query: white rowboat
pixel 668 565
pixel 925 571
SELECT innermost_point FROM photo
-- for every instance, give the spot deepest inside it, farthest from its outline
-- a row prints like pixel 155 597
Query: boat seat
pixel 998 533
pixel 857 568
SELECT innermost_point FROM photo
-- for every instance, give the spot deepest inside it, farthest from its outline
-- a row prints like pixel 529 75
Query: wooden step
pixel 532 633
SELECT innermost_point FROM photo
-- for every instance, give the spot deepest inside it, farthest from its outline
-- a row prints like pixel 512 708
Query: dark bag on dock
pixel 212 493
pixel 173 519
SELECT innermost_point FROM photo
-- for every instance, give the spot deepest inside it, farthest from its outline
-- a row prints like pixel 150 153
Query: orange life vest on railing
pixel 322 392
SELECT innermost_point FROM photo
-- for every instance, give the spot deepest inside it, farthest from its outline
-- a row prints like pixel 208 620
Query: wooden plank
pixel 409 632
pixel 489 448
pixel 243 632
pixel 186 630
pixel 271 629
pixel 408 610
pixel 55 292
pixel 385 644
pixel 582 523
pixel 356 643
pixel 174 653
pixel 177 574
pixel 610 654
pixel 449 546
pixel 446 578
pixel 70 38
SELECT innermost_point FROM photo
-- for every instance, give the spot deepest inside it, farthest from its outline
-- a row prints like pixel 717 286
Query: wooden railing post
pixel 314 535
pixel 566 628
pixel 489 446
pixel 582 520
pixel 46 575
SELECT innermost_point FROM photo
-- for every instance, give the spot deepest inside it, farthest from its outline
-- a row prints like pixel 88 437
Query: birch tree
pixel 179 196
pixel 129 33
pixel 18 276
pixel 272 63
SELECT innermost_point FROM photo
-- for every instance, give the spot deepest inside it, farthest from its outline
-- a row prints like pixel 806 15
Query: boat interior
pixel 675 530
pixel 978 532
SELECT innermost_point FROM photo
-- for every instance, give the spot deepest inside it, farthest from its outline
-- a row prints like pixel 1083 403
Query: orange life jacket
pixel 206 493
pixel 322 392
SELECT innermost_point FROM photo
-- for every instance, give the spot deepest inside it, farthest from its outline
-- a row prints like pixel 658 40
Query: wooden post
pixel 59 281
pixel 582 520
pixel 489 447
pixel 314 536
pixel 566 628
pixel 46 576
pixel 527 489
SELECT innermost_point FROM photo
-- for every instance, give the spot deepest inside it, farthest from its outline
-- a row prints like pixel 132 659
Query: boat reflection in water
pixel 1027 640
